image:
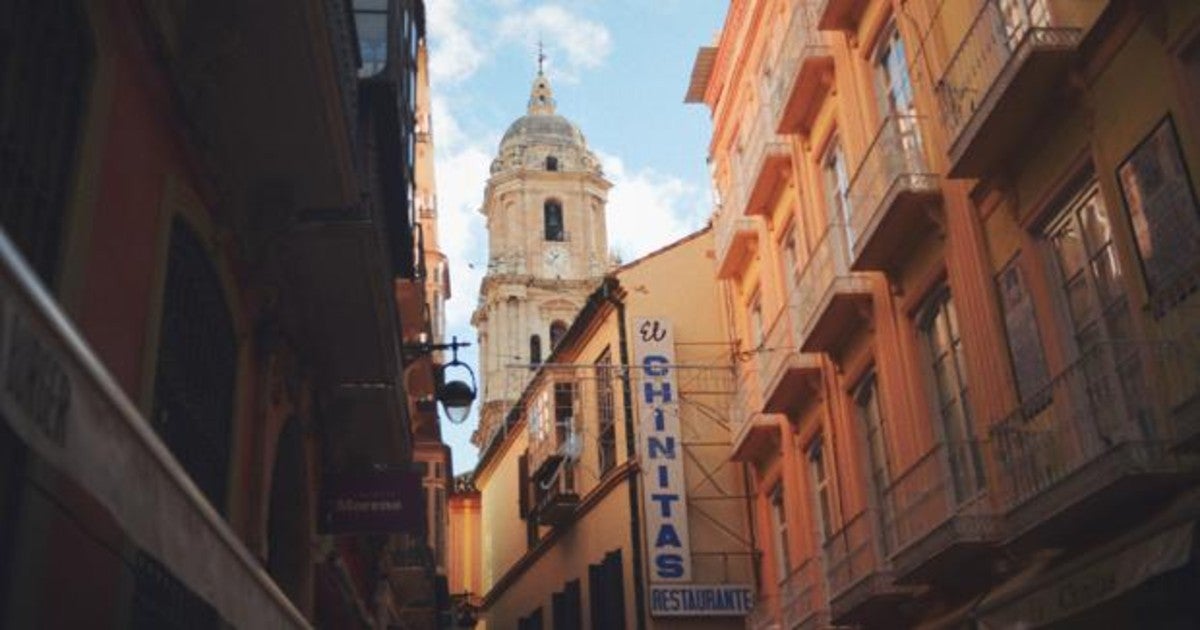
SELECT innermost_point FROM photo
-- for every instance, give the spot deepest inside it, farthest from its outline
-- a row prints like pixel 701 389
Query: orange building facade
pixel 960 246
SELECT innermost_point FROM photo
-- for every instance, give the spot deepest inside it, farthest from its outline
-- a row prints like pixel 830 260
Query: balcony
pixel 931 529
pixel 1003 72
pixel 1093 443
pixel 802 603
pixel 891 195
pixel 553 436
pixel 763 165
pixel 840 15
pixel 735 240
pixel 861 587
pixel 803 71
pixel 752 432
pixel 557 498
pixel 788 376
pixel 828 297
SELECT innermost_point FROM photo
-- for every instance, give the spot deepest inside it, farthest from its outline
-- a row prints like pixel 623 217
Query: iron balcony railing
pixel 1110 399
pixel 777 348
pixel 827 263
pixel 727 227
pixel 802 593
pixel 801 41
pixel 746 402
pixel 922 498
pixel 994 39
pixel 853 553
pixel 759 141
pixel 894 163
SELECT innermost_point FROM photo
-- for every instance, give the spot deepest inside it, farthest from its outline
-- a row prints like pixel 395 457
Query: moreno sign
pixel 669 557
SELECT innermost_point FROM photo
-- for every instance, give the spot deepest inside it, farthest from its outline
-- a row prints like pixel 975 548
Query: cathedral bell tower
pixel 547 248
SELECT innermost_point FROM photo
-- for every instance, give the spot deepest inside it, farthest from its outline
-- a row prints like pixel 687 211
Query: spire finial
pixel 541 57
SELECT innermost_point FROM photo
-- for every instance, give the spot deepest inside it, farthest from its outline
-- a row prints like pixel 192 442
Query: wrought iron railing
pixel 778 346
pixel 759 142
pixel 894 162
pixel 802 592
pixel 1103 402
pixel 922 498
pixel 994 39
pixel 745 404
pixel 827 262
pixel 727 228
pixel 801 41
pixel 853 553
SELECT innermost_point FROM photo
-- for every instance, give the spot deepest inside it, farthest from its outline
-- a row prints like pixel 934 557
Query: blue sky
pixel 619 70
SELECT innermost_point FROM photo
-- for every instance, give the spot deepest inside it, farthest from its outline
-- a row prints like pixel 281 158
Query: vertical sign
pixel 663 486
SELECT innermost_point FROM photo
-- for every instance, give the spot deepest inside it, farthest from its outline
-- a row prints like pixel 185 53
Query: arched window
pixel 197 366
pixel 557 330
pixel 552 221
pixel 535 351
pixel 551 163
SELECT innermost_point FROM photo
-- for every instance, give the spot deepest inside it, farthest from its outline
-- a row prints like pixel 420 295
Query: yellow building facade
pixel 959 241
pixel 607 500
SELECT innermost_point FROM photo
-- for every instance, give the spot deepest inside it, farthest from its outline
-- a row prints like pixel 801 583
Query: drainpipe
pixel 635 522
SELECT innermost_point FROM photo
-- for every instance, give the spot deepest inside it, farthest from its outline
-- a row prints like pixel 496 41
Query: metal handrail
pixel 990 43
pixel 894 159
pixel 1101 402
pixel 827 262
pixel 114 416
pixel 801 591
pixel 853 552
pixel 801 41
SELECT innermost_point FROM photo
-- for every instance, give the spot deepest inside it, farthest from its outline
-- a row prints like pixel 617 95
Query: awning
pixel 1041 595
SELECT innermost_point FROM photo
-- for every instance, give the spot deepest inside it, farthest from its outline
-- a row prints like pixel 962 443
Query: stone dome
pixel 541 136
pixel 542 129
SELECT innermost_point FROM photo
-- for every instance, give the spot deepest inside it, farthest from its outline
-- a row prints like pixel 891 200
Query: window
pixel 535 351
pixel 756 332
pixel 891 75
pixel 1024 342
pixel 197 366
pixel 567 607
pixel 866 406
pixel 606 592
pixel 45 64
pixel 558 328
pixel 1163 213
pixel 837 187
pixel 371 23
pixel 779 533
pixel 822 499
pixel 605 413
pixel 551 163
pixel 1089 273
pixel 1021 15
pixel 944 353
pixel 531 622
pixel 552 221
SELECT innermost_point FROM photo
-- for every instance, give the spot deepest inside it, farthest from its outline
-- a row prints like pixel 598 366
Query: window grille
pixel 45 63
pixel 197 364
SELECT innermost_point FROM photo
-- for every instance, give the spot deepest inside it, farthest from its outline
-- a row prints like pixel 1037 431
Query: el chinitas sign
pixel 664 487
pixel 378 501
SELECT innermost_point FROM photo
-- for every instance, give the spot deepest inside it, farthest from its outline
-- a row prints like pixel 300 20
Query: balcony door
pixel 1019 16
pixel 1106 371
pixel 947 369
pixel 877 464
pixel 897 108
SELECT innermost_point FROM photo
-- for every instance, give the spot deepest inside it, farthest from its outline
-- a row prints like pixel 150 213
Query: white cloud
pixel 584 43
pixel 647 209
pixel 455 55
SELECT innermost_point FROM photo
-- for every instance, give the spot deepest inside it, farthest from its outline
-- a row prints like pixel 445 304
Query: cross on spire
pixel 541 57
